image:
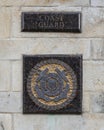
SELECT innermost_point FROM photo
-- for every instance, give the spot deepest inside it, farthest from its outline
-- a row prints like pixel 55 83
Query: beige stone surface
pixel 97 49
pixel 5 122
pixel 44 2
pixel 93 122
pixel 67 122
pixel 10 102
pixel 93 75
pixel 47 122
pixel 5 22
pixel 97 3
pixel 14 49
pixel 5 75
pixel 93 22
pixel 17 76
pixel 97 102
pixel 85 102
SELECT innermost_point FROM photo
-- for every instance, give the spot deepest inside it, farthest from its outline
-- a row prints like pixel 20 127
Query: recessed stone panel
pixel 52 84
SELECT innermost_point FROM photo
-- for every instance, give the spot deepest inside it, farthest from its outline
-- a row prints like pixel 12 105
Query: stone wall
pixel 14 43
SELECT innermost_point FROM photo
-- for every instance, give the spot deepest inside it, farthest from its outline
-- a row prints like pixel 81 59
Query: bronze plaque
pixel 51 22
pixel 52 84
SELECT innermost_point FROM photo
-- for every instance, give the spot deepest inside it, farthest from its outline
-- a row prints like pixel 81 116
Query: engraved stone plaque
pixel 52 84
pixel 51 22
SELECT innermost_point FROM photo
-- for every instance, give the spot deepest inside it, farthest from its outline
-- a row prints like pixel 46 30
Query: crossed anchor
pixel 45 92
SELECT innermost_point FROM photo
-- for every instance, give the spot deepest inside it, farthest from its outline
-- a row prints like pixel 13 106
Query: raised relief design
pixel 51 85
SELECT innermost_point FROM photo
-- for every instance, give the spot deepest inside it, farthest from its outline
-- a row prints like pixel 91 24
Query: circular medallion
pixel 52 84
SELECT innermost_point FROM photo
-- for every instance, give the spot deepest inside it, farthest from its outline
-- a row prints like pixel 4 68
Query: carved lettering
pixel 52 18
pixel 51 22
pixel 61 24
pixel 40 24
pixel 54 21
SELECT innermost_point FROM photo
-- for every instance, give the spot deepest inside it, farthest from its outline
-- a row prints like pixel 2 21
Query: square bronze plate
pixel 52 84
